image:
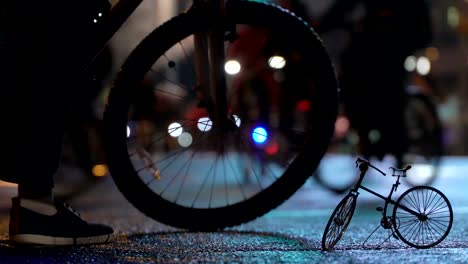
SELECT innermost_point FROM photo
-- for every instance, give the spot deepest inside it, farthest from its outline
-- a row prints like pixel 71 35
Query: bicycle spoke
pixel 187 168
pixel 338 222
pixel 437 228
pixel 434 222
pixel 164 78
pixel 199 168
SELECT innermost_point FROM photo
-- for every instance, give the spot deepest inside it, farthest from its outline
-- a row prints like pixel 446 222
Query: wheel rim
pixel 301 141
pixel 339 222
pixel 434 222
pixel 185 140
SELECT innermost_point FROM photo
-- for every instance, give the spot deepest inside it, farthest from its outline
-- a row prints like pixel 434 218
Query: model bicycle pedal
pixel 422 216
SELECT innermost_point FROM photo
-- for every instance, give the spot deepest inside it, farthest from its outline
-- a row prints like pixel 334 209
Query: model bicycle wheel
pixel 179 160
pixel 429 228
pixel 338 222
pixel 425 146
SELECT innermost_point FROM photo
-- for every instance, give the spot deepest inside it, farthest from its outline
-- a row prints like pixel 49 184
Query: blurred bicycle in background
pixel 424 152
pixel 383 114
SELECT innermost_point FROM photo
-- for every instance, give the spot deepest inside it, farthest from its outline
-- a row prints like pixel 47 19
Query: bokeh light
pixel 99 170
pixel 410 63
pixel 423 65
pixel 232 67
pixel 277 62
pixel 259 135
pixel 175 129
pixel 185 139
pixel 204 124
pixel 237 120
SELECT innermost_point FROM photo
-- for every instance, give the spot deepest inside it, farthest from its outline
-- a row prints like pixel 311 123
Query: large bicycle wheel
pixel 425 146
pixel 176 160
pixel 434 223
pixel 338 222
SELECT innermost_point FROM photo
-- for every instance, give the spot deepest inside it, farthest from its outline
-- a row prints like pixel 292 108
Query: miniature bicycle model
pixel 181 127
pixel 422 216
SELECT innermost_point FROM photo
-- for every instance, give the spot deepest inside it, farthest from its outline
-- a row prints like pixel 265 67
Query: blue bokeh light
pixel 259 135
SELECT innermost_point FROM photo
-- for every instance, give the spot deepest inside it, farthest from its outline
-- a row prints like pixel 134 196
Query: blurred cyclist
pixel 383 34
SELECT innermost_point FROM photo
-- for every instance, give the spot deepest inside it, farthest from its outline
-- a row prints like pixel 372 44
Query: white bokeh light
pixel 453 16
pixel 237 120
pixel 277 62
pixel 204 124
pixel 420 173
pixel 185 139
pixel 423 65
pixel 128 132
pixel 410 63
pixel 232 67
pixel 175 129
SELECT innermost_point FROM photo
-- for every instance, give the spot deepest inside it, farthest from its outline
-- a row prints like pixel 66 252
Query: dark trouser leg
pixel 33 77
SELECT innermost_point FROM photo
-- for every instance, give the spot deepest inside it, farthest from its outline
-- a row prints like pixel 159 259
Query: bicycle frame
pixel 364 167
pixel 123 10
pixel 111 24
pixel 208 57
pixel 425 226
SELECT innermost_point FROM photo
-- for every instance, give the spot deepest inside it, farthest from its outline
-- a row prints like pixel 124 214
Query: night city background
pixel 445 81
pixel 292 232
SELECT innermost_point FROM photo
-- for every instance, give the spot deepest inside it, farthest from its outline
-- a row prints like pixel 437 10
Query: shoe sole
pixel 59 241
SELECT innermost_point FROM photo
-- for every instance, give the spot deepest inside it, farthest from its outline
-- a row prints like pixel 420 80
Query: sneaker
pixel 38 223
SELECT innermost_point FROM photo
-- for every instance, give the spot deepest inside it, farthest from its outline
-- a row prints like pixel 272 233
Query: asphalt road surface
pixel 289 234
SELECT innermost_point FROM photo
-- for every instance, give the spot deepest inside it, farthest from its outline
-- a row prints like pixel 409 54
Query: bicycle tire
pixel 340 218
pixel 311 146
pixel 425 143
pixel 336 172
pixel 434 205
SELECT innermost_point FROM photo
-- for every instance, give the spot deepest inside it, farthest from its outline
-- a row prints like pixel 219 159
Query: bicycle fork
pixel 209 62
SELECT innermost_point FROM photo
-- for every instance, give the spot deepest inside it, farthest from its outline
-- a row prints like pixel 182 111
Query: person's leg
pixel 34 112
pixel 393 96
pixel 37 114
pixel 41 71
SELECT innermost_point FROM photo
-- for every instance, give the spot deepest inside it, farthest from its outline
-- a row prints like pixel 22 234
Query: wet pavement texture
pixel 289 234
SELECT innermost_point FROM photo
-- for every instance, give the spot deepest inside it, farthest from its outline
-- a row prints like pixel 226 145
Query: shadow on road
pixel 171 247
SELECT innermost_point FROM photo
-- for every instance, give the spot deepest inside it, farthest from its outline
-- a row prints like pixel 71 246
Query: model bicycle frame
pixel 364 167
pixel 420 224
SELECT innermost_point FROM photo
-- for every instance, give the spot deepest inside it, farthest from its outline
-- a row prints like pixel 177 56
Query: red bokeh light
pixel 272 148
pixel 303 105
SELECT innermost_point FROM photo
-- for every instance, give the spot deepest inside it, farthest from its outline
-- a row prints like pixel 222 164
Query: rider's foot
pixel 39 223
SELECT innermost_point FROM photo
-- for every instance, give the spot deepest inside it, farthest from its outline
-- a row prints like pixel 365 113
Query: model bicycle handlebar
pixel 359 161
pixel 395 171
